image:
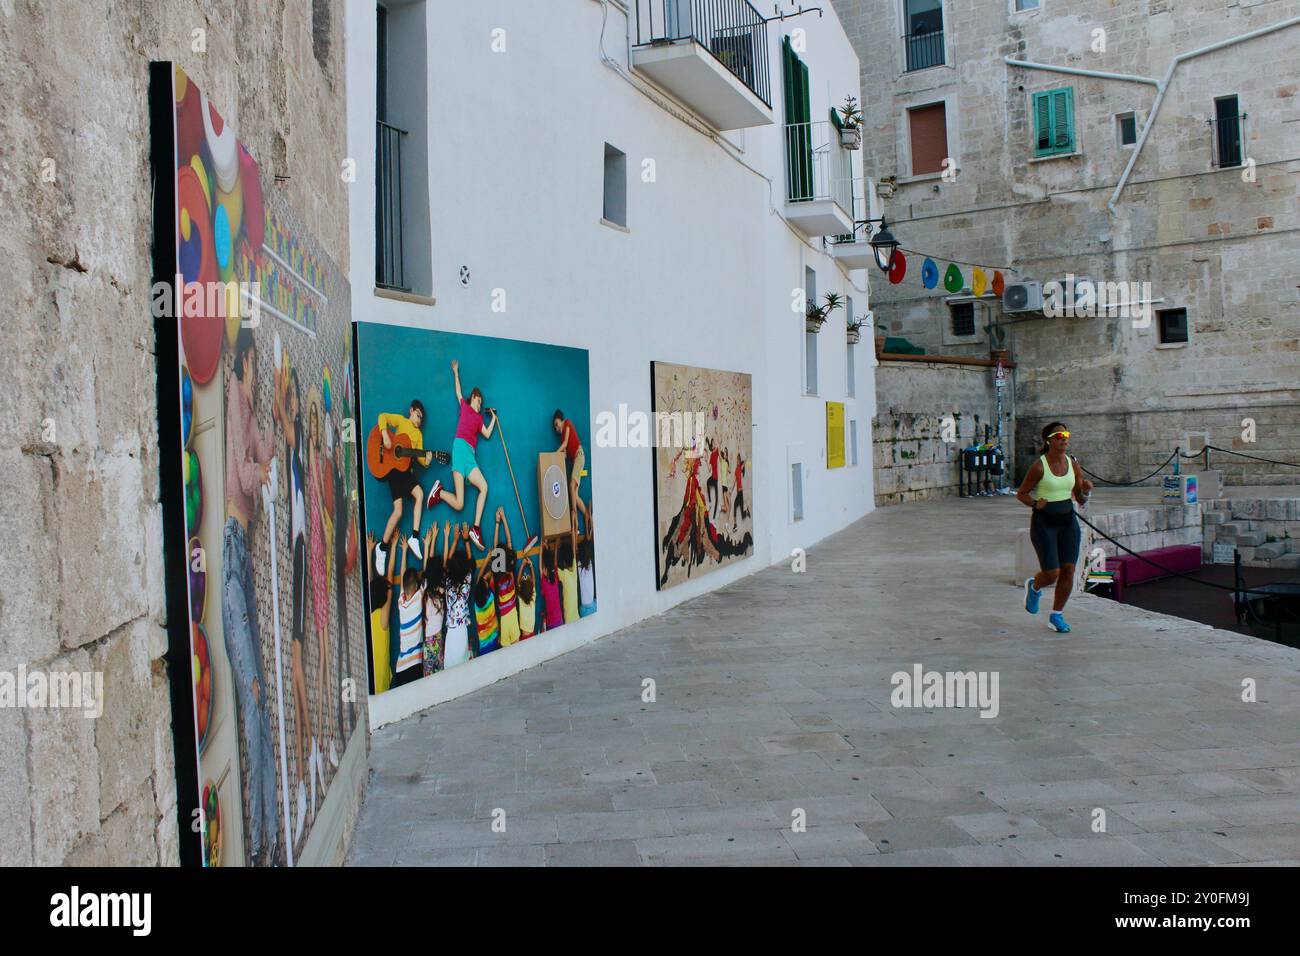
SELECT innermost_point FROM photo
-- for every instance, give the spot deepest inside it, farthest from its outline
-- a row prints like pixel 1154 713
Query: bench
pixel 1131 570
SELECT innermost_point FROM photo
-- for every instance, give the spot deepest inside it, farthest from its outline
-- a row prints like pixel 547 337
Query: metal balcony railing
pixel 1229 140
pixel 859 213
pixel 817 166
pixel 923 50
pixel 389 272
pixel 731 30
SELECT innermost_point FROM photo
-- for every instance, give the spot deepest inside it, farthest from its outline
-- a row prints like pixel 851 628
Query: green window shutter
pixel 1042 123
pixel 1062 120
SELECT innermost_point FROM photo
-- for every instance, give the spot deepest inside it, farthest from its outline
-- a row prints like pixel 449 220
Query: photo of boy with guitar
pixel 395 444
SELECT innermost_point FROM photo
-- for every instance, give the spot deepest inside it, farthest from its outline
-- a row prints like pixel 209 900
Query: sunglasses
pixel 1061 434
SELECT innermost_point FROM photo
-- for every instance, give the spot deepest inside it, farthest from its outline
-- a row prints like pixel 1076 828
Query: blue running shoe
pixel 1057 621
pixel 1032 594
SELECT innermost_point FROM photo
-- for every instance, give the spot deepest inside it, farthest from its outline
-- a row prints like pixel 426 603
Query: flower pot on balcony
pixel 854 335
pixel 851 137
pixel 813 323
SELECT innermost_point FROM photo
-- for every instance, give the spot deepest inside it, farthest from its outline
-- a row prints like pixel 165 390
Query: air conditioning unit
pixel 1023 297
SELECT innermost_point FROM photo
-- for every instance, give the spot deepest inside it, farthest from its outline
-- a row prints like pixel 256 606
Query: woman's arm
pixel 506 523
pixel 1034 476
pixel 564 437
pixel 1082 486
pixel 486 430
pixel 455 374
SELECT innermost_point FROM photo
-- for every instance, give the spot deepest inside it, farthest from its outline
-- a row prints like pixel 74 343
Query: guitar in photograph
pixel 382 461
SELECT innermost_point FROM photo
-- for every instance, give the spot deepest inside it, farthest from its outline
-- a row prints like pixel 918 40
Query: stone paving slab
pixel 774 696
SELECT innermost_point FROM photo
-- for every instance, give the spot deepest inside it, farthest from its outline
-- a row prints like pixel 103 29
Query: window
pixel 928 132
pixel 922 34
pixel 615 208
pixel 1126 125
pixel 962 316
pixel 1229 130
pixel 1054 122
pixel 1022 5
pixel 798 125
pixel 853 441
pixel 796 491
pixel 810 338
pixel 1172 324
pixel 850 372
pixel 403 251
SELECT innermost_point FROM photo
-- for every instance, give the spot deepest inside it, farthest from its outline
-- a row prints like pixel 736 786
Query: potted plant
pixel 851 123
pixel 854 329
pixel 818 314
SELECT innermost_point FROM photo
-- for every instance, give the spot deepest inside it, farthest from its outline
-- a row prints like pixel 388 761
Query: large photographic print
pixel 268 482
pixel 478 510
pixel 702 470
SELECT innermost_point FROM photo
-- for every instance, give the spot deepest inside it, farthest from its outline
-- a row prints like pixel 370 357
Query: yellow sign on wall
pixel 834 434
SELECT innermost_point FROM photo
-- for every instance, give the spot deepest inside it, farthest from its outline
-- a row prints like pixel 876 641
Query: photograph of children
pixel 270 547
pixel 704 423
pixel 453 427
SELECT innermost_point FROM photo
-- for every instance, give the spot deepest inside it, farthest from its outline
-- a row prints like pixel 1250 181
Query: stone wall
pixel 910 458
pixel 83 562
pixel 1213 241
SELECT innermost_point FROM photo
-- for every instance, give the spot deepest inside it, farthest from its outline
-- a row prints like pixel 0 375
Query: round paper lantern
pixel 198 581
pixel 250 183
pixel 999 284
pixel 193 491
pixel 899 268
pixel 223 145
pixel 189 117
pixel 187 407
pixel 952 279
pixel 929 274
pixel 196 163
pixel 233 203
pixel 196 257
pixel 978 281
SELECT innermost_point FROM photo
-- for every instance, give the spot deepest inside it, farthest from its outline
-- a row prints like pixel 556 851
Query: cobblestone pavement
pixel 773 695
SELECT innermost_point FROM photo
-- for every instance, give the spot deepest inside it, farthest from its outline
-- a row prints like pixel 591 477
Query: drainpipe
pixel 1162 86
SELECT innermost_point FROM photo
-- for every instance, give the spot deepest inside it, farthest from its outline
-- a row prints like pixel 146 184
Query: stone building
pixel 83 561
pixel 1208 214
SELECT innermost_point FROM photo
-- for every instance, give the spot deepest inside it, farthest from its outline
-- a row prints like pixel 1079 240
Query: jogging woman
pixel 1054 483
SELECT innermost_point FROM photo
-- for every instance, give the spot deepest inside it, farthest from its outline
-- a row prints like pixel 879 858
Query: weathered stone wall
pixel 910 458
pixel 1207 240
pixel 82 563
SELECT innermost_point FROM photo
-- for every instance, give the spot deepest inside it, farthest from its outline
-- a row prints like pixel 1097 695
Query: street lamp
pixel 884 245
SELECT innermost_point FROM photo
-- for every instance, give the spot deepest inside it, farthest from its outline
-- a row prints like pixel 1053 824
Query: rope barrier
pixel 1240 454
pixel 1169 571
pixel 1139 481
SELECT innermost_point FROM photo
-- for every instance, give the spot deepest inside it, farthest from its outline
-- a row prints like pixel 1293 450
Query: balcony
pixel 853 248
pixel 1228 134
pixel 818 180
pixel 710 54
pixel 923 50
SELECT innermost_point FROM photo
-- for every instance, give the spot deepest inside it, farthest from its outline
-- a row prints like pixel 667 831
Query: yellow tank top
pixel 1055 487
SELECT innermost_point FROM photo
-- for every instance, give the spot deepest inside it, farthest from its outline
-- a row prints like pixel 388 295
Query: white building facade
pixel 623 179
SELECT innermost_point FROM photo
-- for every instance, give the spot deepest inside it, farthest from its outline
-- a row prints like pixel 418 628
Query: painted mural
pixel 702 470
pixel 272 547
pixel 477 493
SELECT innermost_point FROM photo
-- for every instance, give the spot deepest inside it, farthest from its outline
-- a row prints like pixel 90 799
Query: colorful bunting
pixel 929 274
pixel 952 279
pixel 978 281
pixel 899 268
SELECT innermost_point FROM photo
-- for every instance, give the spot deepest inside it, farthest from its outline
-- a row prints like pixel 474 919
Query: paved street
pixel 774 694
